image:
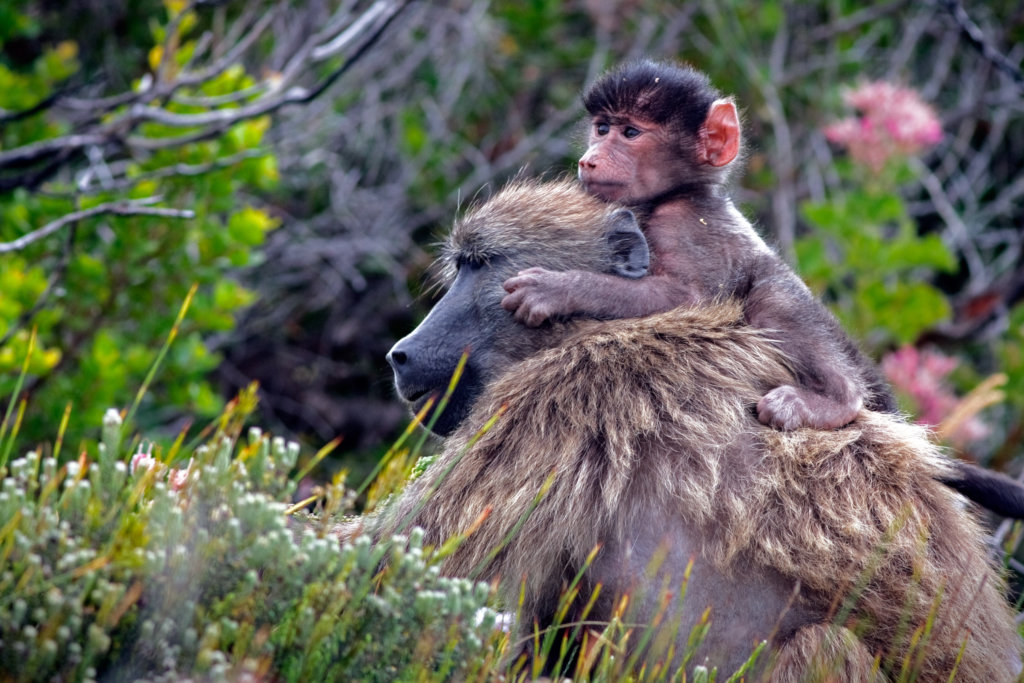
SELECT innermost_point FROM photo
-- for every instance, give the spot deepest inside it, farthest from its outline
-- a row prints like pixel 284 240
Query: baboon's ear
pixel 630 255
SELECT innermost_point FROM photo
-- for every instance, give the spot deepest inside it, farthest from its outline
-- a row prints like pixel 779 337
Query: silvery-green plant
pixel 148 568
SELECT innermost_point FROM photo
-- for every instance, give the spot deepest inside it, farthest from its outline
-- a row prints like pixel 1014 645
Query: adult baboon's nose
pixel 409 379
pixel 397 358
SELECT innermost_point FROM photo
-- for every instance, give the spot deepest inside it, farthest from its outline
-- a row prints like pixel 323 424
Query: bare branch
pixel 868 15
pixel 218 117
pixel 958 230
pixel 230 57
pixel 43 104
pixel 119 182
pixel 342 40
pixel 113 136
pixel 977 38
pixel 1004 202
pixel 220 100
pixel 131 207
pixel 38 150
pixel 396 7
pixel 167 53
pixel 161 90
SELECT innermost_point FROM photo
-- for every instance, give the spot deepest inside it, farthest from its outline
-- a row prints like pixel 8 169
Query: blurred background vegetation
pixel 284 168
pixel 298 159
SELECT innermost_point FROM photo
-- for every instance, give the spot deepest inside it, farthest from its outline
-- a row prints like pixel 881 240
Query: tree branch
pixel 114 135
pixel 976 37
pixel 132 207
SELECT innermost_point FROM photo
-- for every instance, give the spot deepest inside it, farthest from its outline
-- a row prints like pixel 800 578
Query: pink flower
pixel 179 477
pixel 920 375
pixel 894 121
pixel 142 460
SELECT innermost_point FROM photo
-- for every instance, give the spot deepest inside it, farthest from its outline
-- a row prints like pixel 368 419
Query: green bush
pixel 186 563
pixel 100 292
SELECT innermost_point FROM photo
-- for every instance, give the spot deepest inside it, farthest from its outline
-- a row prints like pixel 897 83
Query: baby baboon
pixel 836 546
pixel 663 140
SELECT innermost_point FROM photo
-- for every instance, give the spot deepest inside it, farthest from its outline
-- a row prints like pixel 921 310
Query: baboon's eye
pixel 602 128
pixel 473 261
pixel 631 132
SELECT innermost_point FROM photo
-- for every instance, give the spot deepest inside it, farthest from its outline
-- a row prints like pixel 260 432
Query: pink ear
pixel 719 138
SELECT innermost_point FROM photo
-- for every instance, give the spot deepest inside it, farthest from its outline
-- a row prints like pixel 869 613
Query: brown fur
pixel 531 223
pixel 825 653
pixel 635 420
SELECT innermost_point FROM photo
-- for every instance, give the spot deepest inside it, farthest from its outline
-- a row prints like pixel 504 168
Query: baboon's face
pixel 469 318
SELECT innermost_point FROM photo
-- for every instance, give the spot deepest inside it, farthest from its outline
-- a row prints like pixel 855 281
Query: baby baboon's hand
pixel 535 295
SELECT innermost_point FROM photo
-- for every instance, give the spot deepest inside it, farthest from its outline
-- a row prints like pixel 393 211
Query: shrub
pixel 185 563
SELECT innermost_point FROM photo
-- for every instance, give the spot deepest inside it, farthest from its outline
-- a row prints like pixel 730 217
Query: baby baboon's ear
pixel 630 255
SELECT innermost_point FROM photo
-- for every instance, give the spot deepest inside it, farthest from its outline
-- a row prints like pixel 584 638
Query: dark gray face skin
pixel 470 318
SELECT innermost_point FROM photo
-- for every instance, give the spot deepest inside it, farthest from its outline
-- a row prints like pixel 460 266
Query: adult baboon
pixel 838 547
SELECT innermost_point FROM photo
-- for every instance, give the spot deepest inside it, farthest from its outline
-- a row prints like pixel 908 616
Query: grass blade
pixel 9 445
pixel 171 336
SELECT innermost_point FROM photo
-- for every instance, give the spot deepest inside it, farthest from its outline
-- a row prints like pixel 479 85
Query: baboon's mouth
pixel 411 393
pixel 419 397
pixel 593 181
pixel 416 396
pixel 608 191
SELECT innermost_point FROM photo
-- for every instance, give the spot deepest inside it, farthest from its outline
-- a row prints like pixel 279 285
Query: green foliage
pixel 102 291
pixel 1010 352
pixel 187 564
pixel 865 257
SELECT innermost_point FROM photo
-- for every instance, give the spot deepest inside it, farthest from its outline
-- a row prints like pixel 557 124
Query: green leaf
pixel 249 226
pixel 904 310
pixel 229 295
pixel 414 135
pixel 927 251
pixel 822 215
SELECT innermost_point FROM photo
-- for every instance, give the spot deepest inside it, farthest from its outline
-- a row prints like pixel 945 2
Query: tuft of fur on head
pixel 532 223
pixel 658 92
